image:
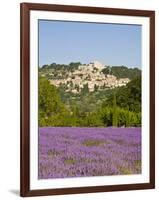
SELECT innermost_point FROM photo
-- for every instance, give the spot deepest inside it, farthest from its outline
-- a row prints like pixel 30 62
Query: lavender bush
pixel 78 152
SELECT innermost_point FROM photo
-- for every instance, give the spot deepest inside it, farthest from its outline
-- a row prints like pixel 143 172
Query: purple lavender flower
pixel 80 152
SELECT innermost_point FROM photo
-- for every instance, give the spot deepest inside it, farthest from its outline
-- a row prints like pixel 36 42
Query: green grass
pixel 69 161
pixel 125 170
pixel 52 153
pixel 90 143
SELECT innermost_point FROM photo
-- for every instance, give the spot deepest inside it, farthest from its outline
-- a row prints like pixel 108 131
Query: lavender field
pixel 79 152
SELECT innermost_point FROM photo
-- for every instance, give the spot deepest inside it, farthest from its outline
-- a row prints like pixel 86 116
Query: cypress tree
pixel 128 118
pixel 115 117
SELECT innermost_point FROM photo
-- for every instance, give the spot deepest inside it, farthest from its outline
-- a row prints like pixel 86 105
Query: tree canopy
pixel 122 72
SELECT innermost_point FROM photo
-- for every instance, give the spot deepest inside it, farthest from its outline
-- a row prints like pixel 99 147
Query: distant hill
pixel 76 77
pixel 118 71
pixel 122 72
pixel 69 67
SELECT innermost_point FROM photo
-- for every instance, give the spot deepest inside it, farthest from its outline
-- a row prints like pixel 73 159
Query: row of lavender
pixel 78 152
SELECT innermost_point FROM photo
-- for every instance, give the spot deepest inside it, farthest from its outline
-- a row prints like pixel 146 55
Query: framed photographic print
pixel 87 99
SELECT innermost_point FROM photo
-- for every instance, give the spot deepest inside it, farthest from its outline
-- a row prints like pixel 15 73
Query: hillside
pixel 94 76
pixel 66 98
pixel 122 72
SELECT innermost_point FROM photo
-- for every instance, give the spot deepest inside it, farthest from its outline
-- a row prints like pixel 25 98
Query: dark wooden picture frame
pixel 25 9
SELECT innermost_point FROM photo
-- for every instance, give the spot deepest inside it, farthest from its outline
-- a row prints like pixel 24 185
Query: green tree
pixel 115 117
pixel 96 88
pixel 85 89
pixel 49 101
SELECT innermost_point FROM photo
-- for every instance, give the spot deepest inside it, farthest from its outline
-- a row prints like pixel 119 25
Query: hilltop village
pixel 87 75
pixel 89 95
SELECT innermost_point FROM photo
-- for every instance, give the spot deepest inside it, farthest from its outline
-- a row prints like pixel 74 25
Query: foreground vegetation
pixel 115 107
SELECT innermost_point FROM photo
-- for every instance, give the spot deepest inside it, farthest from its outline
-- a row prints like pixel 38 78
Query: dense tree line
pixel 120 107
pixel 70 66
pixel 128 97
pixel 122 72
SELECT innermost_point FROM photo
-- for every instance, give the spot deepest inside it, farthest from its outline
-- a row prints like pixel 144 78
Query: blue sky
pixel 111 44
